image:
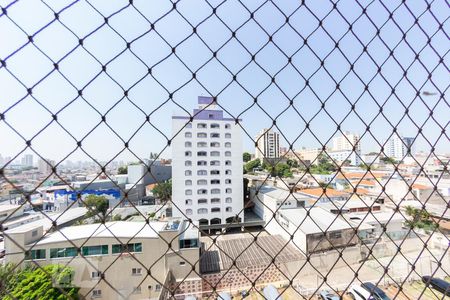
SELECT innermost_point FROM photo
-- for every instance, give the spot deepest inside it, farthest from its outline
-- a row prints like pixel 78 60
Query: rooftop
pixel 8 207
pixel 281 194
pixel 119 229
pixel 318 221
pixel 318 192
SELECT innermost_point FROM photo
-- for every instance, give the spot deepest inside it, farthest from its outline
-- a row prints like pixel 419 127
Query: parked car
pixel 437 284
pixel 327 295
pixel 375 291
pixel 357 292
pixel 245 294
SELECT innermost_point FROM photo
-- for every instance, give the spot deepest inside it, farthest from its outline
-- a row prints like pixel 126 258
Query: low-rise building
pixel 313 229
pixel 115 257
pixel 323 196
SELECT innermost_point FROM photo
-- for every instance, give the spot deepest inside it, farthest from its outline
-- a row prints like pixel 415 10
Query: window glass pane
pixel 138 247
pixel 105 249
pixel 116 248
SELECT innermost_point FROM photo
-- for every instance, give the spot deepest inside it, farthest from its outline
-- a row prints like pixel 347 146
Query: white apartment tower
pixel 398 147
pixel 268 144
pixel 346 142
pixel 207 166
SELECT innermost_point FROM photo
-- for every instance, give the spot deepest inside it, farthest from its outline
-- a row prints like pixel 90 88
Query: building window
pixel 215 200
pixel 157 287
pixel 215 135
pixel 227 172
pixel 202 192
pixel 202 135
pixel 202 201
pixel 214 125
pixel 67 252
pixel 188 182
pixel 202 153
pixel 202 163
pixel 215 144
pixel 215 191
pixel 96 274
pixel 215 153
pixel 93 250
pixel 227 145
pixel 188 163
pixel 188 144
pixel 36 254
pixel 188 192
pixel 202 211
pixel 214 163
pixel 201 125
pixel 228 135
pixel 202 182
pixel 215 209
pixel 188 153
pixel 188 201
pixel 96 293
pixel 202 144
pixel 215 181
pixel 202 172
pixel 335 235
pixel 215 172
pixel 228 153
pixel 228 191
pixel 228 200
pixel 188 125
pixel 227 126
pixel 182 263
pixel 228 181
pixel 188 212
pixel 34 233
pixel 136 271
pixel 123 248
pixel 228 163
pixel 229 209
pixel 187 173
pixel 188 134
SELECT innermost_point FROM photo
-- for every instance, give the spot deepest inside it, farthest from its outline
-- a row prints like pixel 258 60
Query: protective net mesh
pixel 89 90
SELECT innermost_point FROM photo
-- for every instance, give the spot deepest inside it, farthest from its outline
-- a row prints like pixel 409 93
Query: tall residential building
pixel 44 167
pixel 398 147
pixel 268 144
pixel 309 155
pixel 207 165
pixel 27 160
pixel 346 142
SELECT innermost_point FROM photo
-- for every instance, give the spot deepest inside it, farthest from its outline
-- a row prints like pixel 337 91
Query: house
pixel 324 195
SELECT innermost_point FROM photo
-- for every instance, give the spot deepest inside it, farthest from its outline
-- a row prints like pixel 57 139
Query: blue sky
pixel 148 94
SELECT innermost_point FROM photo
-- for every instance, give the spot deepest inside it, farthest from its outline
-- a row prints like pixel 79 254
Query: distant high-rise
pixel 268 144
pixel 346 142
pixel 44 167
pixel 207 166
pixel 398 147
pixel 27 160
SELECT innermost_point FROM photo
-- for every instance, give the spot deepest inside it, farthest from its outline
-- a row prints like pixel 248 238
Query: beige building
pixel 116 260
pixel 268 144
pixel 309 154
pixel 346 142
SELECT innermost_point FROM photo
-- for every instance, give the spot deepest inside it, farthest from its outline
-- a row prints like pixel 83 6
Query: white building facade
pixel 398 147
pixel 346 142
pixel 207 180
pixel 268 144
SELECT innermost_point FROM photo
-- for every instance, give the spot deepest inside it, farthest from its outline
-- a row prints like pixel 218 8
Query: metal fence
pixel 97 81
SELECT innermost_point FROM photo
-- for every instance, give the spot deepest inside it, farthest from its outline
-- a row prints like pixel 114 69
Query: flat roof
pixel 118 229
pixel 8 207
pixel 318 192
pixel 375 217
pixel 318 221
pixel 47 221
pixel 281 194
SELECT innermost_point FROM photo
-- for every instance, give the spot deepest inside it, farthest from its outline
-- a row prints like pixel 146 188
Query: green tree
pixel 163 191
pixel 293 163
pixel 252 165
pixel 122 170
pixel 388 160
pixel 246 157
pixel 8 274
pixel 45 283
pixel 283 170
pixel 98 206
